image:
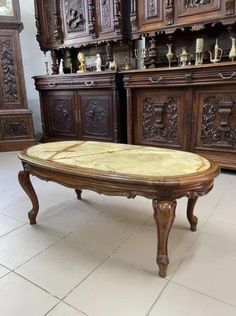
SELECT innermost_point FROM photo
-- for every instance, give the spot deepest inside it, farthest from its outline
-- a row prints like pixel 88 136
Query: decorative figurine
pixel 82 66
pixel 112 65
pixel 184 58
pixel 232 53
pixel 98 62
pixel 169 54
pixel 199 51
pixel 61 71
pixel 127 65
pixel 47 68
pixel 218 52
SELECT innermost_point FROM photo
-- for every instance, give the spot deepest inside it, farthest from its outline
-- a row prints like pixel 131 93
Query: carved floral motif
pixel 8 70
pixel 96 116
pixel 15 128
pixel 160 118
pixel 196 3
pixel 62 116
pixel 169 12
pixel 151 8
pixel 217 118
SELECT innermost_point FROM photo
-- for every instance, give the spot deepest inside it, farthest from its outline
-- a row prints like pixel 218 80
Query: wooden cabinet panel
pixel 59 114
pixel 96 115
pixel 161 116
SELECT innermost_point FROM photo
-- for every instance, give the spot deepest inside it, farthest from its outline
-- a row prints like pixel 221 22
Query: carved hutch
pixel 16 127
pixel 189 107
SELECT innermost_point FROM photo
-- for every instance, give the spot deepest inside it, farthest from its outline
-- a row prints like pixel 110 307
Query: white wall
pixel 33 60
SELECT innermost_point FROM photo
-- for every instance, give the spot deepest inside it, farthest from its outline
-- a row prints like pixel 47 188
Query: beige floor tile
pixel 8 224
pixel 3 271
pixel 209 272
pixel 140 251
pixel 11 197
pixel 102 235
pixel 61 267
pixel 24 243
pixel 179 301
pixel 63 309
pixel 218 236
pixel 117 289
pixel 20 297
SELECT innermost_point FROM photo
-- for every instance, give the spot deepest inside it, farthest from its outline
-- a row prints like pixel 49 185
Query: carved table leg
pixel 164 214
pixel 26 184
pixel 192 218
pixel 78 193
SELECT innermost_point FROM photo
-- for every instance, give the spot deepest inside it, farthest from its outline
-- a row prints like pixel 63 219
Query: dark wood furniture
pixel 189 108
pixel 104 170
pixel 82 106
pixel 16 127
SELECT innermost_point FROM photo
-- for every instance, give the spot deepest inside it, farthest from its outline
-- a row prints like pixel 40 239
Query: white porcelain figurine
pixel 98 62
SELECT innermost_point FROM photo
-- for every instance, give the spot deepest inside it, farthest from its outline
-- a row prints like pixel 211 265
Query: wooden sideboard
pixel 88 106
pixel 188 108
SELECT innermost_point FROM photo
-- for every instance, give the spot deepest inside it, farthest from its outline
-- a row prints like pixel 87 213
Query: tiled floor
pixel 96 257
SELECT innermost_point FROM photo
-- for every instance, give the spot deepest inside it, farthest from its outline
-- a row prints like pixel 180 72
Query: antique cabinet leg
pixel 78 193
pixel 26 184
pixel 192 218
pixel 164 214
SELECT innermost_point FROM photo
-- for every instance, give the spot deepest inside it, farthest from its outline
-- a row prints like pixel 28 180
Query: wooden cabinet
pixel 16 126
pixel 190 108
pixel 82 106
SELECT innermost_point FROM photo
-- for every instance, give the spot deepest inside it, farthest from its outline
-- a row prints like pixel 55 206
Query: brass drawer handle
pixel 52 85
pixel 89 83
pixel 188 76
pixel 227 77
pixel 155 80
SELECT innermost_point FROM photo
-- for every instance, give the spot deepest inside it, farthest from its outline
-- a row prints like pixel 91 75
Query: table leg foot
pixel 193 220
pixel 24 180
pixel 78 193
pixel 164 214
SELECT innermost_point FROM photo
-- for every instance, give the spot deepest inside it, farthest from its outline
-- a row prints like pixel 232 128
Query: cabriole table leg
pixel 24 179
pixel 193 220
pixel 78 193
pixel 164 214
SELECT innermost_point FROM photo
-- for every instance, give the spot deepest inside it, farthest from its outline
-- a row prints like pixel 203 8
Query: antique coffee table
pixel 162 175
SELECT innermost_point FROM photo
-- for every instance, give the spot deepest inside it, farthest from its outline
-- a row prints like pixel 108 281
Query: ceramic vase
pixel 232 53
pixel 169 54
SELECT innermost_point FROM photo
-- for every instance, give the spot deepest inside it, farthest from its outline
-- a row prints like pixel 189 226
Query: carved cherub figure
pixel 82 61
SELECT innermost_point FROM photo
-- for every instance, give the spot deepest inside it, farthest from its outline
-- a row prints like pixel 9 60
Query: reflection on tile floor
pixel 96 257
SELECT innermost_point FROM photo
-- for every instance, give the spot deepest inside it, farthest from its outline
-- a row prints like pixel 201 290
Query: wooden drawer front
pixel 161 117
pixel 13 127
pixel 215 119
pixel 60 114
pixel 96 115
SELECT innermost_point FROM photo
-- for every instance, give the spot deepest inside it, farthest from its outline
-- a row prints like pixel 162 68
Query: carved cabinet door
pixel 161 117
pixel 96 115
pixel 215 123
pixel 48 23
pixel 196 11
pixel 59 114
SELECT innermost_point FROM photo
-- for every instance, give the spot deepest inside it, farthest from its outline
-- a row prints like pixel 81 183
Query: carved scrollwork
pixel 105 14
pixel 91 22
pixel 230 7
pixel 95 117
pixel 151 8
pixel 170 12
pixel 217 128
pixel 75 15
pixel 197 3
pixel 160 118
pixel 15 128
pixel 133 16
pixel 117 17
pixel 8 70
pixel 62 114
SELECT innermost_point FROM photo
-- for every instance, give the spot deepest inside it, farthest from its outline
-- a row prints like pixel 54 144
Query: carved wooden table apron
pixel 162 175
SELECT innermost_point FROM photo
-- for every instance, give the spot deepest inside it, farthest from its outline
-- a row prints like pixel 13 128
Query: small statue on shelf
pixel 98 62
pixel 199 51
pixel 82 61
pixel 112 65
pixel 184 58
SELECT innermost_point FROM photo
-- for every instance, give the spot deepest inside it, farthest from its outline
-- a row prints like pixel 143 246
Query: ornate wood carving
pixel 105 14
pixel 117 16
pixel 49 15
pixel 160 118
pixel 197 3
pixel 217 121
pixel 152 54
pixel 96 117
pixel 91 22
pixel 57 23
pixel 75 15
pixel 62 114
pixel 133 16
pixel 8 70
pixel 230 7
pixel 15 128
pixel 55 65
pixel 151 8
pixel 170 12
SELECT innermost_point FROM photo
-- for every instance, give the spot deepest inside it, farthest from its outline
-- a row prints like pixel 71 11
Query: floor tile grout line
pixel 11 231
pixel 13 217
pixel 204 294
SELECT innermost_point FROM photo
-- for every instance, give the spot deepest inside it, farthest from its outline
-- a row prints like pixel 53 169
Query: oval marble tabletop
pixel 120 159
